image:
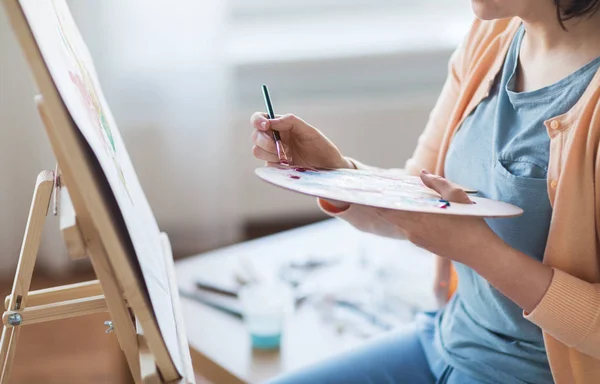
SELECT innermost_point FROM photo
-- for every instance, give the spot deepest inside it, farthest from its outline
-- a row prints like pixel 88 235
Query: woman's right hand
pixel 304 145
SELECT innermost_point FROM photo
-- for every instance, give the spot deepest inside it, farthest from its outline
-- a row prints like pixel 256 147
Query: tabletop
pixel 220 345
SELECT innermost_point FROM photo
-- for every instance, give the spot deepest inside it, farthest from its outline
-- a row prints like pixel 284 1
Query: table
pixel 219 343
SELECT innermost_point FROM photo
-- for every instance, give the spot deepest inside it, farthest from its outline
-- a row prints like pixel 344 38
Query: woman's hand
pixel 454 237
pixel 304 144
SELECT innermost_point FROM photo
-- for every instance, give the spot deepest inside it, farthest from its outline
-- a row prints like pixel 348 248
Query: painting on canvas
pixel 72 70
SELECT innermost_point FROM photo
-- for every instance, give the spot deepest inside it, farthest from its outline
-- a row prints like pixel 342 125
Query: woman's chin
pixel 486 10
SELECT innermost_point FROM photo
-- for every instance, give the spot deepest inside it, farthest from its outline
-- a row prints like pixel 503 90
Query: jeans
pixel 406 356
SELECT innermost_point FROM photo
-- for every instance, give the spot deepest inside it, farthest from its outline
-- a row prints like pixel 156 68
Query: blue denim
pixel 406 356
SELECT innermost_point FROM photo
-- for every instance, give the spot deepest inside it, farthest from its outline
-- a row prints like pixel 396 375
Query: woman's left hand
pixel 455 237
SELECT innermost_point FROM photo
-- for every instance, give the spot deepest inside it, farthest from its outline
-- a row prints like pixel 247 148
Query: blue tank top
pixel 502 150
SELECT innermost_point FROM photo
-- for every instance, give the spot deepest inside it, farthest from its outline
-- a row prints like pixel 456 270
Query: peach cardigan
pixel 569 312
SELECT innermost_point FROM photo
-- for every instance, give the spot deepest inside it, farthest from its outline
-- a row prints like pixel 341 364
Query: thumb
pixel 444 188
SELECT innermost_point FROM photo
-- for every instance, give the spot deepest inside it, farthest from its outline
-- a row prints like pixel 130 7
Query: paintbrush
pixel 283 160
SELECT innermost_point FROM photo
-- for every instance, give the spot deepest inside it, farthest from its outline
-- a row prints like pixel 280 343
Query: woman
pixel 519 120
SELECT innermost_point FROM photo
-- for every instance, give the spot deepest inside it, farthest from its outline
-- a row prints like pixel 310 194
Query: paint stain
pixel 294 177
pixel 303 169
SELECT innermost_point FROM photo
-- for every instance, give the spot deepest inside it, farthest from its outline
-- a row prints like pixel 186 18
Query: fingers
pixel 260 121
pixel 337 205
pixel 264 140
pixel 261 154
pixel 444 188
pixel 263 130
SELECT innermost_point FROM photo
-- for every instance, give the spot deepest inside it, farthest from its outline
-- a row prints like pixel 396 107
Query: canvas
pixel 71 68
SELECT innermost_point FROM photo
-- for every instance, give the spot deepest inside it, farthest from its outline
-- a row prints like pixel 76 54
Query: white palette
pixel 383 190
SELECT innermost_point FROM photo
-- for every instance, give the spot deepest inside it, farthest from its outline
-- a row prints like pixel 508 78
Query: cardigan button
pixel 554 183
pixel 554 124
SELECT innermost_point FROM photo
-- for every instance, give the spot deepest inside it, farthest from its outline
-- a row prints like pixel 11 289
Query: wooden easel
pixel 91 221
pixel 24 307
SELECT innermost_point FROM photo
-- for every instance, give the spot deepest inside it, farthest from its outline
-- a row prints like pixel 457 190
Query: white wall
pixel 170 102
pixel 24 152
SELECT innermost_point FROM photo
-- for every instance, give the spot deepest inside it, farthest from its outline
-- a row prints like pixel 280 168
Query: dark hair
pixel 569 9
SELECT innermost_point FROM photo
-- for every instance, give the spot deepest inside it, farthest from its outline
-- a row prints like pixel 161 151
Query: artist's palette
pixel 379 189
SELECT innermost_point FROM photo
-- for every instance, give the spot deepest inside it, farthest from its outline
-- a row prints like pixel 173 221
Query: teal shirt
pixel 502 150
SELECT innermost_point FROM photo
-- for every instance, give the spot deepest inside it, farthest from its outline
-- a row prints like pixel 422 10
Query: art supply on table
pixel 283 159
pixel 295 272
pixel 265 307
pixel 218 301
pixel 245 272
pixel 379 189
pixel 231 291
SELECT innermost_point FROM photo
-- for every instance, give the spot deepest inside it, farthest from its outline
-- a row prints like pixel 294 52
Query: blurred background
pixel 182 79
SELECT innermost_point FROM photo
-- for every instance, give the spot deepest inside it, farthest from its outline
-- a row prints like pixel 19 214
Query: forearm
pixel 519 277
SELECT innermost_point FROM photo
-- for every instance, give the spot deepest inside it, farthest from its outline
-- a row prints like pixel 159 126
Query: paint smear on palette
pixel 305 169
pixel 294 177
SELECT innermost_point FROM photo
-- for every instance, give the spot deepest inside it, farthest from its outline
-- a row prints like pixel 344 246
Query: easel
pixel 24 307
pixel 92 224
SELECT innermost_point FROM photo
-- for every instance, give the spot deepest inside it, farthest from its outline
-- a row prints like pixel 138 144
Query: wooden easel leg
pixel 7 334
pixel 31 244
pixel 148 371
pixel 13 337
pixel 121 317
